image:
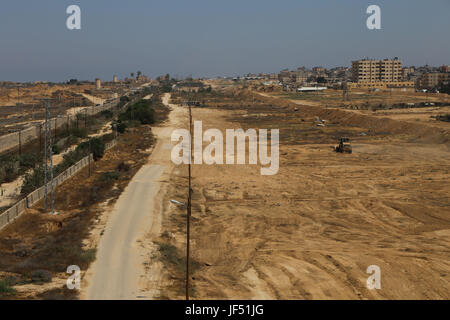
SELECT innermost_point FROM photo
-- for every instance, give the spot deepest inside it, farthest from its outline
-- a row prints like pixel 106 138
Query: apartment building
pixel 432 80
pixel 407 72
pixel 379 74
pixel 367 70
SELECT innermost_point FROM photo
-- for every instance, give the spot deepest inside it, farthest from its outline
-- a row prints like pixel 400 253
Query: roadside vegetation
pixel 6 289
pixel 38 241
pixel 174 261
pixel 36 178
pixel 13 164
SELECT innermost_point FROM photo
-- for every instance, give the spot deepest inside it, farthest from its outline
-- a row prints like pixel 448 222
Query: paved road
pixel 120 260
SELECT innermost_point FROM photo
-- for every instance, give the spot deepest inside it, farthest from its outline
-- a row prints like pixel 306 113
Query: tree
pixel 445 88
pixel 321 80
pixel 94 145
pixel 140 111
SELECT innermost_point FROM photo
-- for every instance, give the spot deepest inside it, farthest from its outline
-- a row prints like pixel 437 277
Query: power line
pixel 48 157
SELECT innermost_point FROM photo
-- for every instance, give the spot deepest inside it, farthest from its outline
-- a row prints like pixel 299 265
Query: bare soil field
pixel 425 116
pixel 312 230
pixel 20 108
pixel 334 98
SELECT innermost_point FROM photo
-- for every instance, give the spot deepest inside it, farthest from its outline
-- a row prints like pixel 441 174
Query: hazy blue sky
pixel 211 38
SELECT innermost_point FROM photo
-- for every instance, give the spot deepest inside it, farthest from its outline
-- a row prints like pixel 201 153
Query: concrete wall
pixel 15 211
pixel 11 141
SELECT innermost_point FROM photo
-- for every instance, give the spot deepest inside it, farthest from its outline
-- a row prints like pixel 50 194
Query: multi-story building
pixel 378 74
pixel 386 70
pixel 285 76
pixel 406 73
pixel 432 80
pixel 444 69
pixel 319 70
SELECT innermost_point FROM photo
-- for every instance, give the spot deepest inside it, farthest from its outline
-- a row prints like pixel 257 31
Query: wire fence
pixel 16 210
pixel 14 140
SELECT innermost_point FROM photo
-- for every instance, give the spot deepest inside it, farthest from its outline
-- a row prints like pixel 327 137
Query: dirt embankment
pixel 417 131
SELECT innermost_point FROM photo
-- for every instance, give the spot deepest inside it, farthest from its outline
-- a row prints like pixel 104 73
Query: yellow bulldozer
pixel 344 146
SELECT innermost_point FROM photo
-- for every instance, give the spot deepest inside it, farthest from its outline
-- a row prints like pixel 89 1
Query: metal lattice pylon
pixel 48 159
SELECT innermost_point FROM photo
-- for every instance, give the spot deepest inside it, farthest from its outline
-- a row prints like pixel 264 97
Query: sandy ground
pixel 312 230
pixel 94 99
pixel 119 271
pixel 10 191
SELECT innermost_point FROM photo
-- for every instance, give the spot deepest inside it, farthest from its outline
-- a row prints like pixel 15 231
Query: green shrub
pixel 140 111
pixel 41 276
pixel 109 176
pixel 11 170
pixel 121 127
pixel 5 288
pixel 88 256
pixel 108 137
pixel 124 167
pixel 28 160
pixel 33 180
pixel 56 149
pixel 95 145
pixel 108 114
pixel 79 132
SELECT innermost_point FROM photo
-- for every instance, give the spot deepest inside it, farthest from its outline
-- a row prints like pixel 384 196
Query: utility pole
pixel 89 157
pixel 189 205
pixel 45 156
pixel 49 159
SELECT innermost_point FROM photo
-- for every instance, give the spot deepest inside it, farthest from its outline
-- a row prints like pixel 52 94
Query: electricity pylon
pixel 48 157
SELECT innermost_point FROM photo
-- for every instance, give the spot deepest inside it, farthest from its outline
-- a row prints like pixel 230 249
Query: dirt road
pixel 118 272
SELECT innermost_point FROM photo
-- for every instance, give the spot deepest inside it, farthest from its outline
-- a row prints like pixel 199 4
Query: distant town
pixel 369 74
pixel 363 74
